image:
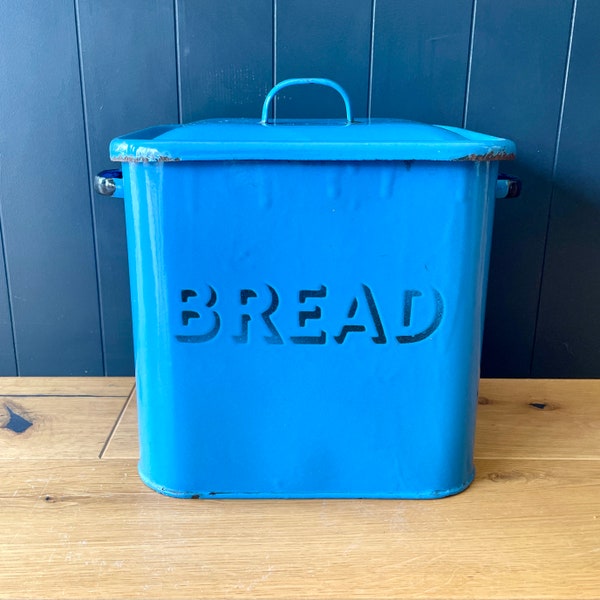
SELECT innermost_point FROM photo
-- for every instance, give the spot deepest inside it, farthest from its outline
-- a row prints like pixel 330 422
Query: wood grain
pixel 56 427
pixel 528 527
pixel 58 418
pixel 91 530
pixel 66 386
pixel 538 419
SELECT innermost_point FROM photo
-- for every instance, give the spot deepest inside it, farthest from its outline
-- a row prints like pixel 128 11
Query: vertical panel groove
pixel 274 79
pixel 552 192
pixel 8 290
pixel 177 61
pixel 564 89
pixel 88 159
pixel 420 57
pixel 469 63
pixel 323 39
pixel 371 59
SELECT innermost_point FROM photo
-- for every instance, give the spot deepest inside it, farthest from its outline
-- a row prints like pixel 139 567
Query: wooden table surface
pixel 77 522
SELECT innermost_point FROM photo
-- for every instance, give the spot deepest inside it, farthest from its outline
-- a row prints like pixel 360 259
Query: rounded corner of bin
pixel 119 150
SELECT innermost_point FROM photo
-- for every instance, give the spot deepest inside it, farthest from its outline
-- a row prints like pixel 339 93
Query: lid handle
pixel 304 81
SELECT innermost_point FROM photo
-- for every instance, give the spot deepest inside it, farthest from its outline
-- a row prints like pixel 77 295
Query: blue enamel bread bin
pixel 308 302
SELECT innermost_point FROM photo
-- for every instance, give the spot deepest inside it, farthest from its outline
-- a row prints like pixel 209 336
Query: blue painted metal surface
pixel 306 81
pixel 363 139
pixel 308 314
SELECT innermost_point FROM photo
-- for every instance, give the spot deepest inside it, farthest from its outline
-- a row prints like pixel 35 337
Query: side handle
pixel 109 183
pixel 508 186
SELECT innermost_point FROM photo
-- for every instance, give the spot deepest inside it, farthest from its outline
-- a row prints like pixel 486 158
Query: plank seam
pixel 469 63
pixel 553 189
pixel 88 157
pixel 371 61
pixel 8 290
pixel 61 395
pixel 274 65
pixel 539 458
pixel 111 435
pixel 178 61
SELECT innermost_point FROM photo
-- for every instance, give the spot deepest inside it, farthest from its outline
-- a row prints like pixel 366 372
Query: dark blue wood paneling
pixel 225 53
pixel 518 65
pixel 46 213
pixel 322 39
pixel 8 365
pixel 568 335
pixel 421 53
pixel 56 234
pixel 130 82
